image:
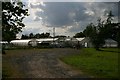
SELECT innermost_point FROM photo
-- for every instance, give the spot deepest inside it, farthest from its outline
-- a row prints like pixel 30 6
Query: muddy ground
pixel 40 63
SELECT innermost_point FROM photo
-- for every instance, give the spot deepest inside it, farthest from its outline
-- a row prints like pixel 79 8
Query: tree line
pixel 37 36
pixel 42 35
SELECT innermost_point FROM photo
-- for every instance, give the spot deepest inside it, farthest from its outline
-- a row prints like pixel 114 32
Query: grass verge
pixel 101 64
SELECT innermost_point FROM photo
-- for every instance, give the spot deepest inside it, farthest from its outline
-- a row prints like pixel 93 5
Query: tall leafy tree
pixel 99 40
pixel 94 34
pixel 112 29
pixel 88 30
pixel 13 14
pixel 117 37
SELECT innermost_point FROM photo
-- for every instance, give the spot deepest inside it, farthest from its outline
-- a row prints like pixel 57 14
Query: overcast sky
pixel 68 18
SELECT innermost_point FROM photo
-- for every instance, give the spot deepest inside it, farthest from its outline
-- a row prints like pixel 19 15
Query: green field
pixel 100 64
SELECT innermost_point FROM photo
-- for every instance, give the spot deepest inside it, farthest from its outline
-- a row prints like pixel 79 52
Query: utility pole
pixel 53 34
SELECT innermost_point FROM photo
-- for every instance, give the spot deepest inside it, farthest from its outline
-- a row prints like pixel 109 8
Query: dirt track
pixel 41 63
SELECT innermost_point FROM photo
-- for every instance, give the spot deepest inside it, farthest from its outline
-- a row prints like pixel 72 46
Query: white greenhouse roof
pixel 68 39
pixel 27 40
pixel 46 39
pixel 80 39
pixel 13 41
pixel 3 42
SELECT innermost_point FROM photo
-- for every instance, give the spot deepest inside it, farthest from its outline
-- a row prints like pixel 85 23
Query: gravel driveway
pixel 42 63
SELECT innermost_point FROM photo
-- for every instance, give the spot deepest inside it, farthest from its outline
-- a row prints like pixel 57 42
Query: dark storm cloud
pixel 58 14
pixel 109 6
pixel 63 13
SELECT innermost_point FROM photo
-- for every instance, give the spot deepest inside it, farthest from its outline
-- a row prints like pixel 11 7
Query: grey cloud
pixel 36 19
pixel 31 30
pixel 109 6
pixel 57 13
pixel 60 14
pixel 79 28
pixel 37 5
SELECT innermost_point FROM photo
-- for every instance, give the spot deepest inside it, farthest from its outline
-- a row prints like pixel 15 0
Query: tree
pixel 88 30
pixel 93 33
pixel 60 36
pixel 117 38
pixel 99 38
pixel 13 14
pixel 96 34
pixel 24 36
pixel 31 35
pixel 44 35
pixel 37 35
pixel 112 30
pixel 47 35
pixel 79 35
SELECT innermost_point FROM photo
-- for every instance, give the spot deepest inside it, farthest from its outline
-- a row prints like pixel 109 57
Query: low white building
pixel 110 43
pixel 85 42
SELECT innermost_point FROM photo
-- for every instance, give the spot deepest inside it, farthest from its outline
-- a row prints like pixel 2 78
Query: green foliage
pixel 31 35
pixel 60 36
pixel 95 34
pixel 79 35
pixel 88 30
pixel 13 14
pixel 117 38
pixel 111 29
pixel 101 64
pixel 24 36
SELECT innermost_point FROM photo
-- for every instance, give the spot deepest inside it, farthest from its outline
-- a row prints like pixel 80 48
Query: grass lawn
pixel 100 64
